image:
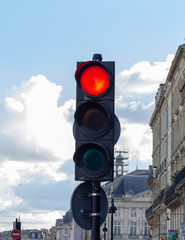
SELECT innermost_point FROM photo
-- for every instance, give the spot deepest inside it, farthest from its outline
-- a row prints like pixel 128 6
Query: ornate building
pixel 25 234
pixel 64 227
pixel 167 179
pixel 132 197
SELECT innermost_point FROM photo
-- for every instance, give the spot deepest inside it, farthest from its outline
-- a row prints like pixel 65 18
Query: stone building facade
pixel 132 196
pixel 64 227
pixel 25 235
pixel 167 179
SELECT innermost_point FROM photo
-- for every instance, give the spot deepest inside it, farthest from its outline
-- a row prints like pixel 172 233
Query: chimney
pixel 150 168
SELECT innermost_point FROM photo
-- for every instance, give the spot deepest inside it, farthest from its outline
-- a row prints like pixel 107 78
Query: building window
pixel 133 212
pixel 133 228
pixel 146 229
pixel 39 235
pixel 33 235
pixel 118 212
pixel 117 228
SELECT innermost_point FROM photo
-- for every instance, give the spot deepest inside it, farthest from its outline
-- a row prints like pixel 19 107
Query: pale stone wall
pixel 130 211
pixel 168 126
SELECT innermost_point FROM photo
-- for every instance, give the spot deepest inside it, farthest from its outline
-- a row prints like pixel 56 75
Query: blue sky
pixel 44 36
pixel 40 43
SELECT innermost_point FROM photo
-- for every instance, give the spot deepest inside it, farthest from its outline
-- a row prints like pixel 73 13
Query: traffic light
pixel 94 121
pixel 17 226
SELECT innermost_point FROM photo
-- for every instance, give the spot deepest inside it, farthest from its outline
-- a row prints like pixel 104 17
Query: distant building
pixel 52 233
pixel 25 235
pixel 132 196
pixel 32 234
pixel 6 235
pixel 64 227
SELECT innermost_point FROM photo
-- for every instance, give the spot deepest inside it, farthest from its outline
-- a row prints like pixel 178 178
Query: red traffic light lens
pixel 95 80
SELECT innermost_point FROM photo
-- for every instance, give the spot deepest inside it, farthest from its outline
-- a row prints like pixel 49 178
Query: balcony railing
pixel 160 198
pixel 156 202
pixel 170 193
pixel 163 195
pixel 180 176
pixel 149 212
pixel 170 190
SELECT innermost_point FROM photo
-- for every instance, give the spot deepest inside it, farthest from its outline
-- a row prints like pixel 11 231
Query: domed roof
pixel 67 218
pixel 134 182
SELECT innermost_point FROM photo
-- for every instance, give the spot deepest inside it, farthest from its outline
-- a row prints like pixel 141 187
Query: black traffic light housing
pixel 94 121
pixel 17 225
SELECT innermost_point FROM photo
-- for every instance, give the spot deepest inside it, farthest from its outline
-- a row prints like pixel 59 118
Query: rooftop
pixel 134 182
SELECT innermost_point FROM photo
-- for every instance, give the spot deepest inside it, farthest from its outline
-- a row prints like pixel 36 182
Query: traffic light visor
pixel 93 78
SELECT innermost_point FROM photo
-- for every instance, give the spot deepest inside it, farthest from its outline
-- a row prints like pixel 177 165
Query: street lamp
pixel 104 230
pixel 112 210
pixel 166 218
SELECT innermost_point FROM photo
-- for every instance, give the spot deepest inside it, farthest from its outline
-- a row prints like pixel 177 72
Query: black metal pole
pixel 105 230
pixel 18 225
pixel 112 210
pixel 111 225
pixel 95 231
pixel 159 227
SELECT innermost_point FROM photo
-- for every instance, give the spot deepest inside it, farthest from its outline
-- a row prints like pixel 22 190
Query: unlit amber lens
pixel 94 119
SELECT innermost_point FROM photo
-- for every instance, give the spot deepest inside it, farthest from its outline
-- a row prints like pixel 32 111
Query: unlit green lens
pixel 93 159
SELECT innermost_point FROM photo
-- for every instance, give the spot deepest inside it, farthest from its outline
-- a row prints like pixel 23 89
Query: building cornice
pixel 175 63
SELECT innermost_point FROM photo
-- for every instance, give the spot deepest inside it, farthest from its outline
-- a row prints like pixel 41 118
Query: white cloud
pixel 135 91
pixel 136 137
pixel 36 140
pixel 42 123
pixel 14 105
pixel 39 218
pixel 142 77
pixel 8 199
pixel 144 107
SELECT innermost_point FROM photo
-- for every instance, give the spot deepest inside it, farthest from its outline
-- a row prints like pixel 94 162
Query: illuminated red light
pixel 95 80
